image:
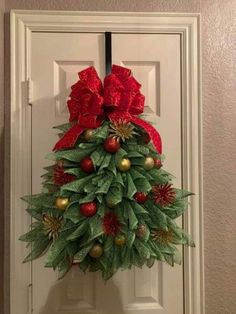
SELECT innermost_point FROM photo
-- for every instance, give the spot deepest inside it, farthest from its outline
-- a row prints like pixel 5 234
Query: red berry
pixel 88 209
pixel 157 163
pixel 86 164
pixel 140 197
pixel 111 145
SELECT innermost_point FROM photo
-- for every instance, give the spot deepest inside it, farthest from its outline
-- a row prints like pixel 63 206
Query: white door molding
pixel 23 23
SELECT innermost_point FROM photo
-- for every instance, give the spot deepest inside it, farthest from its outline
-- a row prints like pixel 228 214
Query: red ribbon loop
pixel 122 91
pixel 85 106
pixel 121 99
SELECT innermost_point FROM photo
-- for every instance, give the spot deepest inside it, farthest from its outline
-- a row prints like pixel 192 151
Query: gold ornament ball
pixel 110 202
pixel 120 240
pixel 96 251
pixel 62 202
pixel 124 165
pixel 88 134
pixel 149 163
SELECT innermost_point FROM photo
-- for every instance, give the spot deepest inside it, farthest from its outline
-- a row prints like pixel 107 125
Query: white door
pixel 155 61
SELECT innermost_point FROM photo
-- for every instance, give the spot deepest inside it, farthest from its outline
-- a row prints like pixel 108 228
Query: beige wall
pixel 219 126
pixel 219 153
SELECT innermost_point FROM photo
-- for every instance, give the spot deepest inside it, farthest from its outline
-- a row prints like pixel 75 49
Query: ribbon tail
pixel 69 138
pixel 152 132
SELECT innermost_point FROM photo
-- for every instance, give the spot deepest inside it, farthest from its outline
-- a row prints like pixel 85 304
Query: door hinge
pixel 29 91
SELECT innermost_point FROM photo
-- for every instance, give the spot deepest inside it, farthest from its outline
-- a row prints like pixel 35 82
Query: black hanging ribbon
pixel 108 52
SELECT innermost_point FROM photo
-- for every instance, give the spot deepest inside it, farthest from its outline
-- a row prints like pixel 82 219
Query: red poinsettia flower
pixel 60 177
pixel 111 224
pixel 163 195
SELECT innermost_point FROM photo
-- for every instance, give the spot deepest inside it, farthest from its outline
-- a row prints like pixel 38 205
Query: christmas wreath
pixel 107 203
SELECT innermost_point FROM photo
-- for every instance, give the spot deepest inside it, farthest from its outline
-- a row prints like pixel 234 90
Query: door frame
pixel 23 23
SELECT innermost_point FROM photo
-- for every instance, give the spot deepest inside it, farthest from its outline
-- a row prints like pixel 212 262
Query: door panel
pixel 56 59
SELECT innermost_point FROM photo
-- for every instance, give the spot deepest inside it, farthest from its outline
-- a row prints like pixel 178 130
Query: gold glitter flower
pixel 122 129
pixel 52 225
pixel 162 236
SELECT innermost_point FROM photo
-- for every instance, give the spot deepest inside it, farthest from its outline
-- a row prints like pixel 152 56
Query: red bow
pixel 89 104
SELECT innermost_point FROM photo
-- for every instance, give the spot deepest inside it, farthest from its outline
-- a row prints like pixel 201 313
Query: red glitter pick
pixel 163 195
pixel 111 224
pixel 60 177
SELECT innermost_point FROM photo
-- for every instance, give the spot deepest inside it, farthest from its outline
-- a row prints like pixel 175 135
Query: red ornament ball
pixel 88 209
pixel 86 164
pixel 157 163
pixel 140 197
pixel 111 145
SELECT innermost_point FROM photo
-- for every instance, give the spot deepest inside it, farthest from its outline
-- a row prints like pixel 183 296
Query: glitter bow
pixel 90 104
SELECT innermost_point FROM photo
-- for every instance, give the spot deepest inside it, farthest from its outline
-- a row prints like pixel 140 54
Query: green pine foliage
pixel 145 232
